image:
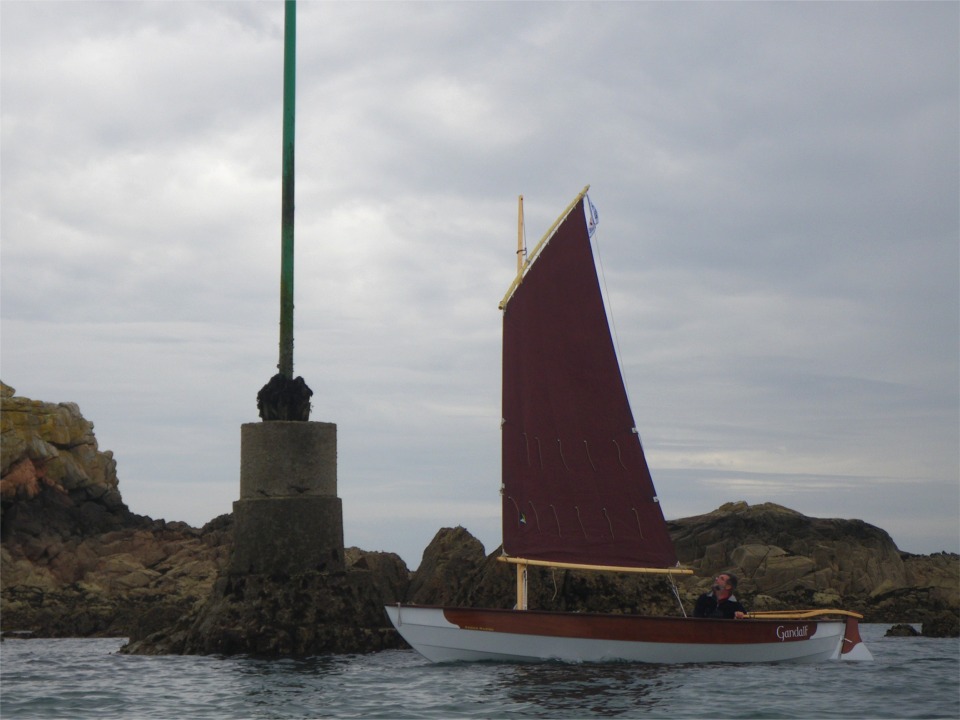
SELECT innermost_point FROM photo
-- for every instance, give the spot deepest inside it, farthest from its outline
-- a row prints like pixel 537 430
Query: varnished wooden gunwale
pixel 633 628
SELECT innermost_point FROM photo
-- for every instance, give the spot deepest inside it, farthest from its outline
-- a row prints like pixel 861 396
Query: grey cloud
pixel 778 189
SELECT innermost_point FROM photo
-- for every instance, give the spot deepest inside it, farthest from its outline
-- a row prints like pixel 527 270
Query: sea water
pixel 910 678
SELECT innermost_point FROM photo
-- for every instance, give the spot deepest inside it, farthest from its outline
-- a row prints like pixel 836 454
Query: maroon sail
pixel 576 487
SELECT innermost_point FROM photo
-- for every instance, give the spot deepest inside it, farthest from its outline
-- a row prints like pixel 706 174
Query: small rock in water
pixel 902 630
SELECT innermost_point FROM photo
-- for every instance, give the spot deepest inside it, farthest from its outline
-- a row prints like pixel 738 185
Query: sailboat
pixel 577 493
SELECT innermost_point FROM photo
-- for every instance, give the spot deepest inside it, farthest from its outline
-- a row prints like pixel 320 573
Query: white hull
pixel 558 637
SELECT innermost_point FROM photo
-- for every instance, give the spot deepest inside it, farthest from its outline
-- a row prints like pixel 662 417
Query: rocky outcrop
pixel 447 568
pixel 280 615
pixel 786 559
pixel 779 551
pixel 46 446
pixel 283 615
pixel 942 624
pixel 120 583
pixel 74 561
pixel 388 571
pixel 783 559
pixel 77 562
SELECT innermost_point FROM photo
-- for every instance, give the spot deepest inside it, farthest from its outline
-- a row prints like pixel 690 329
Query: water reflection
pixel 87 679
pixel 598 689
pixel 298 685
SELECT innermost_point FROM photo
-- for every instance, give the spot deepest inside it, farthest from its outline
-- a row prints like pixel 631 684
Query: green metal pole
pixel 286 225
pixel 286 397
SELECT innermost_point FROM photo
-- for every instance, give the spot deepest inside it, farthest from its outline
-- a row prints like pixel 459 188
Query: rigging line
pixel 676 594
pixel 557 517
pixel 762 562
pixel 613 320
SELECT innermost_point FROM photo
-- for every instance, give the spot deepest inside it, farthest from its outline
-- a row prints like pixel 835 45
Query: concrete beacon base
pixel 288 518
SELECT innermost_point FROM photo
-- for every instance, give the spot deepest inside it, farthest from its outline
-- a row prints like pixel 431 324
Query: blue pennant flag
pixel 594 218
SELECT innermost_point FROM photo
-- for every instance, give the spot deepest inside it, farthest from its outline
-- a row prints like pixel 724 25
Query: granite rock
pixel 75 561
pixel 784 560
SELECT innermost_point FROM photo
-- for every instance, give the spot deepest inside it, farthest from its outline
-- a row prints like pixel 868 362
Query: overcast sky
pixel 778 192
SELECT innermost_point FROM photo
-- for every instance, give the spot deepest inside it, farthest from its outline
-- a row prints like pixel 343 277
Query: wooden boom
pixel 607 568
pixel 523 563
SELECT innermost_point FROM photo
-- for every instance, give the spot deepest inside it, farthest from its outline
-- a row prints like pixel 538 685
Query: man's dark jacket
pixel 707 607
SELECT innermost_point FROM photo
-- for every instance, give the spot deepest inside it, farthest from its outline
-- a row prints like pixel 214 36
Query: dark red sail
pixel 576 487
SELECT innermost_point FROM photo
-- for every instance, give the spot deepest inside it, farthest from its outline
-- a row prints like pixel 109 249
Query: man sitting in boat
pixel 720 602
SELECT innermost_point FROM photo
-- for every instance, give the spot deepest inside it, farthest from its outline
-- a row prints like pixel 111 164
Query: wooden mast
pixel 521 260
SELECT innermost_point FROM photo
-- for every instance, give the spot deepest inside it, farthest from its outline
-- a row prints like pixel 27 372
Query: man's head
pixel 725 582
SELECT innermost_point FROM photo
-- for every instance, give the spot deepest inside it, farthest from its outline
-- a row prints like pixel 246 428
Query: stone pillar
pixel 288 519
